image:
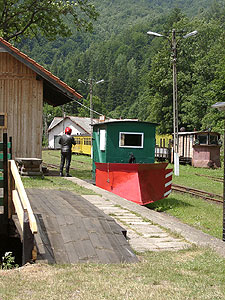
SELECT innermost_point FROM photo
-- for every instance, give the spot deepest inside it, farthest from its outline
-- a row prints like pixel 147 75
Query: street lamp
pixel 221 107
pixel 173 44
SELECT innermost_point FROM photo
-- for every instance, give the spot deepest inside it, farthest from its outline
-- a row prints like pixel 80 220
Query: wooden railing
pixel 19 204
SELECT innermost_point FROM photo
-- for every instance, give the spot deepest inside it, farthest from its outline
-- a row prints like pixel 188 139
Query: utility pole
pixel 91 101
pixel 221 107
pixel 91 82
pixel 175 105
pixel 173 44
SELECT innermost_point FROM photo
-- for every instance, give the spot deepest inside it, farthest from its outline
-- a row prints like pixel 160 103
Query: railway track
pixel 211 177
pixel 176 188
pixel 197 193
pixel 55 166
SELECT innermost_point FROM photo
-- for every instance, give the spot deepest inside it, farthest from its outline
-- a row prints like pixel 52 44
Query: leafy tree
pixel 98 106
pixel 44 17
pixel 49 112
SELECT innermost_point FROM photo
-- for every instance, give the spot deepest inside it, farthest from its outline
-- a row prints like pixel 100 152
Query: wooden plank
pixel 80 251
pixel 90 250
pixel 18 207
pixel 72 255
pixel 23 196
pixel 38 202
pixel 28 240
pixel 56 239
pixel 48 201
pixel 18 226
pixel 116 246
pixel 63 206
pixel 116 228
pixel 45 251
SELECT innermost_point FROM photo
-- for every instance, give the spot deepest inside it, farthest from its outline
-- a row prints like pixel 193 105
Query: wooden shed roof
pixel 55 91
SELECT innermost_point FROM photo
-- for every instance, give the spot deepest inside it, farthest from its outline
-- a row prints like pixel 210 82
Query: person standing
pixel 66 141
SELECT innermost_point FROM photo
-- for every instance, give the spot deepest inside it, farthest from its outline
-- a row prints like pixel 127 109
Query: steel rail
pixel 211 177
pixel 197 193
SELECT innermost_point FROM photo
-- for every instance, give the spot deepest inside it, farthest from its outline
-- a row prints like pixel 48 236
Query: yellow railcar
pixel 83 145
pixel 163 139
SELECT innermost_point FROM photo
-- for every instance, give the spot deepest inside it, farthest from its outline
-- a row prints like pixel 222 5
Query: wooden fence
pixel 19 204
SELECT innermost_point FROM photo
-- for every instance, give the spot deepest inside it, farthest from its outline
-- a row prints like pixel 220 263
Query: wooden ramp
pixel 72 230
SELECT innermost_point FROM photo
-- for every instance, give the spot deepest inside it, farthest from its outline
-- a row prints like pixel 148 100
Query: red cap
pixel 68 130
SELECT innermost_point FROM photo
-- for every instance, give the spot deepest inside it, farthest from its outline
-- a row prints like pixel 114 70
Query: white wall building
pixel 79 126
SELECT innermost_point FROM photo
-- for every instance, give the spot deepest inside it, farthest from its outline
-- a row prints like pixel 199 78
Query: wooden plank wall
pixel 21 96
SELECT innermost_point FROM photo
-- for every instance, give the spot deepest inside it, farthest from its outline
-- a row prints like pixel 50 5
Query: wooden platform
pixel 72 230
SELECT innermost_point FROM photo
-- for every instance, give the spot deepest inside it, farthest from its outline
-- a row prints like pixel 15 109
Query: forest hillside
pixel 136 67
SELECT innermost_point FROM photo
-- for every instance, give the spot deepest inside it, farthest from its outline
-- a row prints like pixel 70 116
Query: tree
pixel 44 17
pixel 49 112
pixel 98 106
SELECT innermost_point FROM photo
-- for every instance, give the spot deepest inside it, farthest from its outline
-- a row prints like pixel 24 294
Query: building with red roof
pixel 24 86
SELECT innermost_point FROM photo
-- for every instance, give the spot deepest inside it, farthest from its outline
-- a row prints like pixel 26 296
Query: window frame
pixel 5 120
pixel 133 133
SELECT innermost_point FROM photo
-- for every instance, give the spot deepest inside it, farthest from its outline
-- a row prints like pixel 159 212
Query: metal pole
pixel 91 103
pixel 224 183
pixel 91 111
pixel 175 105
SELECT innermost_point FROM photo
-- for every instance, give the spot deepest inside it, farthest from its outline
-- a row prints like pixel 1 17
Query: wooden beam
pixel 23 196
pixel 28 240
pixel 18 207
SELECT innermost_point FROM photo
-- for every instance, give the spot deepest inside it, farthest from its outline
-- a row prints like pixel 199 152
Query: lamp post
pixel 173 44
pixel 221 107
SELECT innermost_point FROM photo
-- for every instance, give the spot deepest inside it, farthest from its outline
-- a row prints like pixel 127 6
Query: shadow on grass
pixel 52 173
pixel 81 174
pixel 167 204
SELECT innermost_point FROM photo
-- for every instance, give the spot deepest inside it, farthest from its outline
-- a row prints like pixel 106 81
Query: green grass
pixel 81 163
pixel 53 182
pixel 196 212
pixel 188 274
pixel 189 177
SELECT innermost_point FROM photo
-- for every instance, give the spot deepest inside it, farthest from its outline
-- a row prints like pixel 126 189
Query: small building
pixel 80 126
pixel 24 86
pixel 118 141
pixel 200 148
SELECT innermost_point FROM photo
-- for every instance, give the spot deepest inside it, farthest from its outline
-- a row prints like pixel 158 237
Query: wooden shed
pixel 24 86
pixel 200 148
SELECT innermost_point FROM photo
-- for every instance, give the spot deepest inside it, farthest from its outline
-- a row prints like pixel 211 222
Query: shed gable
pixel 21 97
